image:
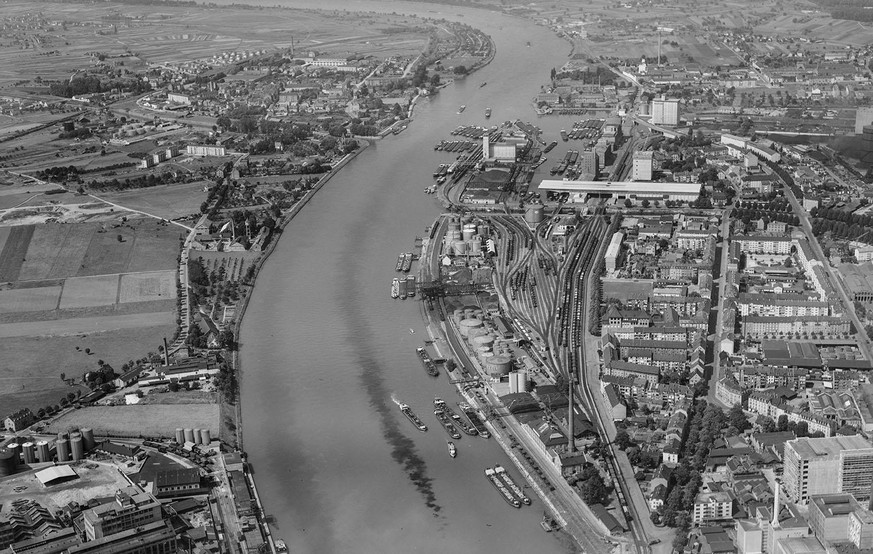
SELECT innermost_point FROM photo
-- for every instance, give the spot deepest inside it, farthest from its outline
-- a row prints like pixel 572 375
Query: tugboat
pixel 395 288
pixel 504 492
pixel 487 113
pixel 407 411
pixel 498 469
pixel 453 452
pixel 281 546
pixel 462 108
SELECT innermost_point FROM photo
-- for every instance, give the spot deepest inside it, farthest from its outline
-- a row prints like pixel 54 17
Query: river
pixel 325 351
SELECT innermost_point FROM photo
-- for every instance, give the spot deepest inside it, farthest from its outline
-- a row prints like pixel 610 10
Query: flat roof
pixel 810 448
pixel 620 187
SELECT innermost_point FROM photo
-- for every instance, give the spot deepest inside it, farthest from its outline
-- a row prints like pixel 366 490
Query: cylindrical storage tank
pixel 469 323
pixel 88 437
pixel 180 436
pixel 498 365
pixel 475 333
pixel 468 232
pixel 534 214
pixel 8 462
pixel 469 312
pixel 478 313
pixel 43 451
pixel 483 340
pixel 475 247
pixel 14 447
pixel 459 247
pixel 189 435
pixel 29 452
pixel 77 446
pixel 63 447
pixel 486 355
pixel 483 350
pixel 485 230
pixel 196 436
pixel 205 436
pixel 63 435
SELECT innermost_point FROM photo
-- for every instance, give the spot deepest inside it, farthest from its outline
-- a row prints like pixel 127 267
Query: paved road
pixel 848 307
pixel 719 330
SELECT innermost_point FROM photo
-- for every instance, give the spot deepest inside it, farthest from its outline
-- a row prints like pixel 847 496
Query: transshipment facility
pixel 581 191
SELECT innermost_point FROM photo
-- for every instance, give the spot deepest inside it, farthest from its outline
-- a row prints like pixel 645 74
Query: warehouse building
pixel 581 191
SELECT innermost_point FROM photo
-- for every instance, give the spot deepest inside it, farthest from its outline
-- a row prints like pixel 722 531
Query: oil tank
pixel 8 462
pixel 77 446
pixel 474 247
pixel 468 232
pixel 63 435
pixel 483 350
pixel 43 451
pixel 534 214
pixel 205 436
pixel 498 366
pixel 475 333
pixel 189 435
pixel 180 436
pixel 469 323
pixel 29 452
pixel 88 437
pixel 484 340
pixel 459 247
pixel 63 446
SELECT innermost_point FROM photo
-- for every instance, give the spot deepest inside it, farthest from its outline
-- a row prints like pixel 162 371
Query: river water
pixel 325 351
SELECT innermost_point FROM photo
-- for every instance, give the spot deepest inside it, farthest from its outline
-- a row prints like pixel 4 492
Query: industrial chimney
pixel 775 522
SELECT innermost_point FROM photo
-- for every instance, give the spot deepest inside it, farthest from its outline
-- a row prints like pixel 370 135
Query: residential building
pixel 712 506
pixel 205 150
pixel 763 244
pixel 815 466
pixel 19 420
pixel 829 516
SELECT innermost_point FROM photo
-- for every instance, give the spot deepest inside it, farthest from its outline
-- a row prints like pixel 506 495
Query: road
pixel 848 307
pixel 719 304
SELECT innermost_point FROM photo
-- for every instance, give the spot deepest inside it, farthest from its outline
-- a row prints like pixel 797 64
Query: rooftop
pixel 809 448
pixel 621 187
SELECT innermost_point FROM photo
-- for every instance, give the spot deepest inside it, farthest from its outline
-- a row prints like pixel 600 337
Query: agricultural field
pixel 89 292
pixel 29 299
pixel 144 420
pixel 32 365
pixel 166 201
pixel 145 287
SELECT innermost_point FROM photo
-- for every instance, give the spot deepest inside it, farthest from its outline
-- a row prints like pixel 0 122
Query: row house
pixel 651 333
pixel 626 369
pixel 678 272
pixel 764 404
pixel 762 244
pixel 785 305
pixel 763 377
pixel 756 326
pixel 684 305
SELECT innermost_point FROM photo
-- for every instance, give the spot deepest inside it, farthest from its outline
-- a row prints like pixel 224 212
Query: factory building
pixel 665 112
pixel 131 508
pixel 643 163
pixel 589 165
pixel 581 191
pixel 500 152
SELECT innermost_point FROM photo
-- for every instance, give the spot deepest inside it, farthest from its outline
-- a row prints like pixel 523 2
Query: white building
pixel 643 163
pixel 665 112
pixel 613 251
pixel 580 191
pixel 712 506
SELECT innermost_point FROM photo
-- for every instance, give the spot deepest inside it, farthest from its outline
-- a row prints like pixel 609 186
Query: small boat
pixel 549 147
pixel 407 411
pixel 407 262
pixel 411 331
pixel 281 546
pixel 399 265
pixel 395 288
pixel 462 108
pixel 528 44
pixel 453 452
pixel 564 135
pixel 487 113
pixel 483 84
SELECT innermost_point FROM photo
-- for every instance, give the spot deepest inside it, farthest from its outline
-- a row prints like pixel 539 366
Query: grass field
pixel 87 324
pixel 138 420
pixel 14 250
pixel 31 368
pixel 56 251
pixel 29 300
pixel 169 202
pixel 143 287
pixel 85 292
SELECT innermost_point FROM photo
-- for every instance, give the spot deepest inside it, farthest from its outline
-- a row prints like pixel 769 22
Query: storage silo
pixel 196 436
pixel 63 446
pixel 29 452
pixel 8 462
pixel 534 214
pixel 14 447
pixel 189 435
pixel 468 232
pixel 180 436
pixel 474 247
pixel 63 435
pixel 88 437
pixel 481 350
pixel 459 247
pixel 43 451
pixel 483 340
pixel 498 366
pixel 205 436
pixel 77 446
pixel 469 323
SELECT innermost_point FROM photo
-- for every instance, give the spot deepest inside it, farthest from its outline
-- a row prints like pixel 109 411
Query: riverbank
pixel 236 365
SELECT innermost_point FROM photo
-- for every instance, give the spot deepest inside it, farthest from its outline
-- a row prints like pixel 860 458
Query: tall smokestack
pixel 166 353
pixel 775 522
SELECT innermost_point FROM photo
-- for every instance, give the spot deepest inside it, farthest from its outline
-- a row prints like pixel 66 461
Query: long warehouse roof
pixel 620 187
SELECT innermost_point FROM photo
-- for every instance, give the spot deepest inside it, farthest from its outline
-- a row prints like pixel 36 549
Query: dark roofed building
pixel 175 482
pixel 115 449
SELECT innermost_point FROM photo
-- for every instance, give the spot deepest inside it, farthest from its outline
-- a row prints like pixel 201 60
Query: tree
pixel 63 376
pixel 646 202
pixel 802 429
pixel 628 203
pixel 623 440
pixel 737 418
pixel 782 423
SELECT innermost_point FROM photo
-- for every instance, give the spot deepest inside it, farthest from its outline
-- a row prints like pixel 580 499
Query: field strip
pixel 86 325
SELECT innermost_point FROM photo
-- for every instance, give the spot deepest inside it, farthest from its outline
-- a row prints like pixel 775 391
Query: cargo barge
pixel 465 427
pixel 446 422
pixel 550 146
pixel 500 486
pixel 407 262
pixel 429 365
pixel 501 473
pixel 407 411
pixel 475 420
pixel 403 292
pixel 410 285
pixel 395 288
pixel 399 265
